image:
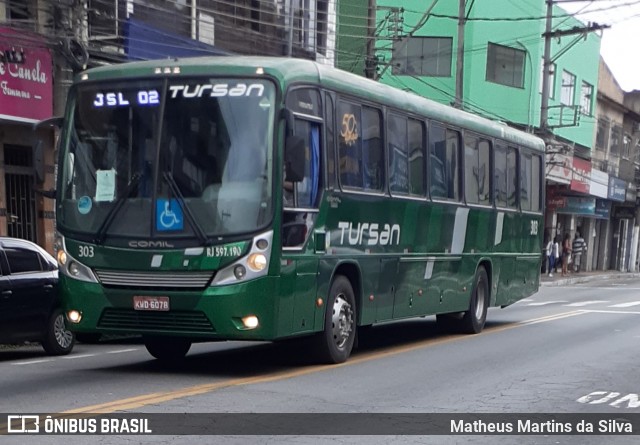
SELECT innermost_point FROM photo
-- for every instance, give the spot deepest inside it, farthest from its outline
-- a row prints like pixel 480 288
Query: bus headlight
pixel 73 268
pixel 62 257
pixel 254 265
pixel 240 271
pixel 257 261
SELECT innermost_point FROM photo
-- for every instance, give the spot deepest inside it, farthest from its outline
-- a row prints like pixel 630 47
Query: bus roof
pixel 293 70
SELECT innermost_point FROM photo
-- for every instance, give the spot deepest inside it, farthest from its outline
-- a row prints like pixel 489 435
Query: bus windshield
pixel 178 158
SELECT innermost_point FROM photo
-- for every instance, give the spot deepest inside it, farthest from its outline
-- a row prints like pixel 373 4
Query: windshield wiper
pixel 202 236
pixel 108 220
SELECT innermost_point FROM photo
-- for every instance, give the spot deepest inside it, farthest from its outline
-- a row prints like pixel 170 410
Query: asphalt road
pixel 568 349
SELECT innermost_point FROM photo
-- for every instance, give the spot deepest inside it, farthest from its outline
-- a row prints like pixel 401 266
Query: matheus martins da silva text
pixel 610 426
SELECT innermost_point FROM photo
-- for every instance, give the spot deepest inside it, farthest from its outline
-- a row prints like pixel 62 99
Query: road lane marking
pixel 602 311
pixel 586 303
pixel 33 362
pixel 551 318
pixel 140 401
pixel 120 351
pixel 543 303
pixel 630 304
pixel 75 356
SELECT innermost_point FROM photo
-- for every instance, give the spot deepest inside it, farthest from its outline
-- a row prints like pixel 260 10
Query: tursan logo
pixel 372 234
pixel 216 90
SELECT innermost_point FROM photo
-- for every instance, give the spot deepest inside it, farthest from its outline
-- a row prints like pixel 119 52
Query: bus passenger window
pixel 398 154
pixel 350 144
pixel 417 158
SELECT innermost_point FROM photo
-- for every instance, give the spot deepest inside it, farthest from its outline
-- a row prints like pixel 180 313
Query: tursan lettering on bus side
pixel 371 231
pixel 217 90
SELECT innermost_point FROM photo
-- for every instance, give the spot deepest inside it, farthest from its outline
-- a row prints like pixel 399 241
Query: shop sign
pixel 624 212
pixel 617 189
pixel 581 179
pixel 603 208
pixel 599 184
pixel 631 192
pixel 578 206
pixel 559 168
pixel 26 87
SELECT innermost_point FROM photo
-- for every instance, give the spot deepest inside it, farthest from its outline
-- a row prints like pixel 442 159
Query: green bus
pixel 254 198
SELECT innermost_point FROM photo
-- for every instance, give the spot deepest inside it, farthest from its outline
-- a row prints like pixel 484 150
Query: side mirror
pixel 37 148
pixel 38 160
pixel 294 154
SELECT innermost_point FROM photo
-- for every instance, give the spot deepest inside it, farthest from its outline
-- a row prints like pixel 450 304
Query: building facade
pixel 491 62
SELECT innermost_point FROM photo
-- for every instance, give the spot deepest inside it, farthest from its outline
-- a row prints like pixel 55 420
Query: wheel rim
pixel 341 321
pixel 63 336
pixel 480 299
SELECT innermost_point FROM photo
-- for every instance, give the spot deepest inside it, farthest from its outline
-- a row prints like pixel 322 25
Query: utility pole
pixel 546 71
pixel 370 65
pixel 460 54
pixel 548 60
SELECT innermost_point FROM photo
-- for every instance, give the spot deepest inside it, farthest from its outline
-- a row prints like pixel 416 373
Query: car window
pixel 22 260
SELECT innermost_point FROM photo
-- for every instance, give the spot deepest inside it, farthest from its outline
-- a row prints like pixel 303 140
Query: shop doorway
pixel 20 197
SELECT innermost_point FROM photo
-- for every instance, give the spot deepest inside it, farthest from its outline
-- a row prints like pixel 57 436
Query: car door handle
pixel 46 286
pixel 6 293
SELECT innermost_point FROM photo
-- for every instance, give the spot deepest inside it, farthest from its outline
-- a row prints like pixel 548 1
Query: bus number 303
pixel 534 227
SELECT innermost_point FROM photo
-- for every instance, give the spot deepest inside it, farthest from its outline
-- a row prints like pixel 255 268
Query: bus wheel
pixel 167 348
pixel 336 341
pixel 473 320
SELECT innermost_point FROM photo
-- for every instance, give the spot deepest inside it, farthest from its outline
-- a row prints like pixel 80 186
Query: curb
pixel 588 278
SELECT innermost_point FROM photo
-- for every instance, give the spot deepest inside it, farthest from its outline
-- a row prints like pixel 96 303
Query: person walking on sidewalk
pixel 578 248
pixel 566 254
pixel 547 255
pixel 554 258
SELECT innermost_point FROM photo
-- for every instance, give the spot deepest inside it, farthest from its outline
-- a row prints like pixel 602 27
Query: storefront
pixel 624 240
pixel 26 91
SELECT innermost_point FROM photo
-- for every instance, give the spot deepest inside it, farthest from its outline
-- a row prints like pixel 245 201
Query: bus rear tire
pixel 337 339
pixel 473 320
pixel 167 349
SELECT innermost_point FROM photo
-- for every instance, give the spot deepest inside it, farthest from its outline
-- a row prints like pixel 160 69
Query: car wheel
pixel 167 348
pixel 58 340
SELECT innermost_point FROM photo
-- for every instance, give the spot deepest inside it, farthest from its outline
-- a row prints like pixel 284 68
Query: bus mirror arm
pixel 293 149
pixel 51 193
pixel 287 115
pixel 294 158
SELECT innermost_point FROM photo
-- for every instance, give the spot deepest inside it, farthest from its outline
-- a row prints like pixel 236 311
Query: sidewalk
pixel 584 277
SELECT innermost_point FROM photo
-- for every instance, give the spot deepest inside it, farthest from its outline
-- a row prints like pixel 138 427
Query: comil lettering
pixel 371 232
pixel 216 90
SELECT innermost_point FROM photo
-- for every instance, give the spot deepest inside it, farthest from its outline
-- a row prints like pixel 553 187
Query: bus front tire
pixel 167 348
pixel 337 339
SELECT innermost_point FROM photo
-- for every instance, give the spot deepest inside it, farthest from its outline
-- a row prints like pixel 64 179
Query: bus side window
pixel 437 161
pixel 330 143
pixel 417 158
pixel 398 154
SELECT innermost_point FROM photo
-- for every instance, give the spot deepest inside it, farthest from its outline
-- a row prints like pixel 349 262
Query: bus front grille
pixel 155 280
pixel 138 321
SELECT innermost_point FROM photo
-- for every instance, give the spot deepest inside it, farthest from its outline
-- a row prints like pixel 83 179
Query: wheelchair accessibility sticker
pixel 169 215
